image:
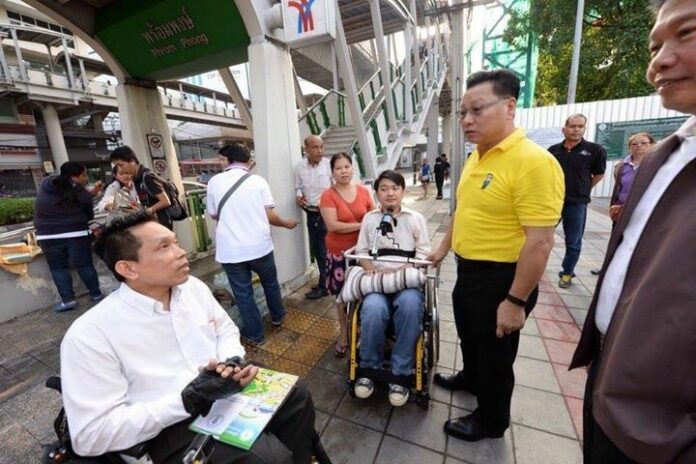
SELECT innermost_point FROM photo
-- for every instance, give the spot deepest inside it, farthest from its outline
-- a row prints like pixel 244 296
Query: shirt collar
pixel 508 142
pixel 143 302
pixel 688 129
pixel 241 166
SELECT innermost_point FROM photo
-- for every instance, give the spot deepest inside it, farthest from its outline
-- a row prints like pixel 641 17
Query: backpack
pixel 177 210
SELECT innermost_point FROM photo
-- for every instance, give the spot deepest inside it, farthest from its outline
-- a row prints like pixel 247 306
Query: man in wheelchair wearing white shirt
pixel 143 363
pixel 405 307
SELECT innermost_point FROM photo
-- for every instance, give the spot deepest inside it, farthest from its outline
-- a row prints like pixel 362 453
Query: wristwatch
pixel 516 301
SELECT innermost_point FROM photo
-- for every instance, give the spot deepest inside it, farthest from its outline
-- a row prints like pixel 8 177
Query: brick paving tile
pixel 559 351
pixel 552 313
pixel 563 331
pixel 572 382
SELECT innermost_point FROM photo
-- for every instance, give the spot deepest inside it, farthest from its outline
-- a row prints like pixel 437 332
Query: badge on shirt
pixel 487 181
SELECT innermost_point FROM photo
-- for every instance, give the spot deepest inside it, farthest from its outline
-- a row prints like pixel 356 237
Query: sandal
pixel 340 350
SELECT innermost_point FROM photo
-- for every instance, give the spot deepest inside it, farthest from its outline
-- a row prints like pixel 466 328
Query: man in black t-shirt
pixel 150 190
pixel 583 165
pixel 441 170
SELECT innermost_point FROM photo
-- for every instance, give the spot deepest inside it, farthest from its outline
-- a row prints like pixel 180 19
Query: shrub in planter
pixel 16 210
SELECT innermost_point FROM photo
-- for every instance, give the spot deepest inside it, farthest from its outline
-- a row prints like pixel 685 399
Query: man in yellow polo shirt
pixel 509 200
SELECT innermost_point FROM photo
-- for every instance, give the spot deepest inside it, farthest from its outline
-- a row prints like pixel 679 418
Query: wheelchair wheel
pixel 433 326
pixel 423 400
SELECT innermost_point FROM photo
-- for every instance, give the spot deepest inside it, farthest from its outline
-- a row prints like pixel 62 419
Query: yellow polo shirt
pixel 517 183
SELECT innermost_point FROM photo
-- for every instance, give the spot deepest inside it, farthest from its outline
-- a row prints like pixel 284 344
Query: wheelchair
pixel 427 349
pixel 199 450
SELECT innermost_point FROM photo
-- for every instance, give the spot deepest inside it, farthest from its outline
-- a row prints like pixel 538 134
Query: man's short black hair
pixel 393 176
pixel 124 153
pixel 235 153
pixel 505 82
pixel 117 243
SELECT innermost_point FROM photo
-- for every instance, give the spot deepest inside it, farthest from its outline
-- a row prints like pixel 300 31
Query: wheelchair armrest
pixel 136 451
pixel 53 383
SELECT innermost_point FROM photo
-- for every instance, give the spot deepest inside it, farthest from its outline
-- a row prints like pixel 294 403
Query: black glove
pixel 198 396
pixel 235 361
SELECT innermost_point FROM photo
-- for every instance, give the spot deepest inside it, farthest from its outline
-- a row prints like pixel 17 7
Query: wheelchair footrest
pixel 385 377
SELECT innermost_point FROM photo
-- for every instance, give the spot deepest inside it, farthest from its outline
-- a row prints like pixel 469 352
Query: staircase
pixel 386 139
pixel 338 139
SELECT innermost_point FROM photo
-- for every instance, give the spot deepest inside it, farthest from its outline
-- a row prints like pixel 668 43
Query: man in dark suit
pixel 639 338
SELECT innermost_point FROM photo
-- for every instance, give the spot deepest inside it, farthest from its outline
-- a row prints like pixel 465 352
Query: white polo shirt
pixel 243 232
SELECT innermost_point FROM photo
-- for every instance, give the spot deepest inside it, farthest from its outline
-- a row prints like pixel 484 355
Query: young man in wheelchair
pixel 409 237
pixel 156 353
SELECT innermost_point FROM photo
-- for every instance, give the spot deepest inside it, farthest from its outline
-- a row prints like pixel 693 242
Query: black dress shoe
pixel 454 382
pixel 467 428
pixel 316 293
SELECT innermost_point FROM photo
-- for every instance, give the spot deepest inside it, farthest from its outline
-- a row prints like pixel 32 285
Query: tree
pixel 614 53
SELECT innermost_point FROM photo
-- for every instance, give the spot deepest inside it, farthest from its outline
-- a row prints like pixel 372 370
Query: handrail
pixel 318 102
pixel 364 86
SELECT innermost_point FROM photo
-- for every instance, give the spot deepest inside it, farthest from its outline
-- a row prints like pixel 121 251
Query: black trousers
pixel 317 243
pixel 288 438
pixel 439 181
pixel 480 288
pixel 597 447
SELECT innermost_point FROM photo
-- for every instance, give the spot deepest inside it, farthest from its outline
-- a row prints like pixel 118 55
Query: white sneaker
pixel 398 395
pixel 364 388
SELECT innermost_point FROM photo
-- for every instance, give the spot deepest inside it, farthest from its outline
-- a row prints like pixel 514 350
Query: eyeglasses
pixel 478 110
pixel 638 144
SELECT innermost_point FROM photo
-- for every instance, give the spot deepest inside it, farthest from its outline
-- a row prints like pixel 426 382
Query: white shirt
pixel 114 189
pixel 312 180
pixel 616 271
pixel 243 232
pixel 410 233
pixel 125 362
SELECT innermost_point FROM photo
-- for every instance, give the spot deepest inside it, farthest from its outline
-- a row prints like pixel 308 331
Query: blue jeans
pixel 573 218
pixel 62 254
pixel 406 307
pixel 317 244
pixel 239 276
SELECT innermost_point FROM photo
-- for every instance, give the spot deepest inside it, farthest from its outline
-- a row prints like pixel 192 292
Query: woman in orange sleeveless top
pixel 342 207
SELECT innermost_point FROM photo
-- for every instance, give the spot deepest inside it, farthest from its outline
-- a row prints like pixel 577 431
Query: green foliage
pixel 614 53
pixel 16 210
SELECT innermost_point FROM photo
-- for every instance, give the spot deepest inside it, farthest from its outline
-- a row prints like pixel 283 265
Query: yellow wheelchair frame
pixel 427 350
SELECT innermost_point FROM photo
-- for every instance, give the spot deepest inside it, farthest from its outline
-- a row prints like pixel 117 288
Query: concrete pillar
pixel 55 135
pixel 237 97
pixel 433 131
pixel 98 123
pixel 383 61
pixel 456 155
pixel 142 114
pixel 408 78
pixel 447 135
pixel 277 148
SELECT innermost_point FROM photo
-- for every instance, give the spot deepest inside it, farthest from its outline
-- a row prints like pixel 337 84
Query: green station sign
pixel 613 136
pixel 168 39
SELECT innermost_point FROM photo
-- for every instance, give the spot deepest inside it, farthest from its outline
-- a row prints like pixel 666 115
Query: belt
pixel 475 264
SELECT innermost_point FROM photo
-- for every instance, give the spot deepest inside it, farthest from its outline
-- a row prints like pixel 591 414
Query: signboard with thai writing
pixel 613 136
pixel 159 40
pixel 307 22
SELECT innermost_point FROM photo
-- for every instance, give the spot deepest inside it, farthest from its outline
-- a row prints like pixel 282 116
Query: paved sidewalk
pixel 546 407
